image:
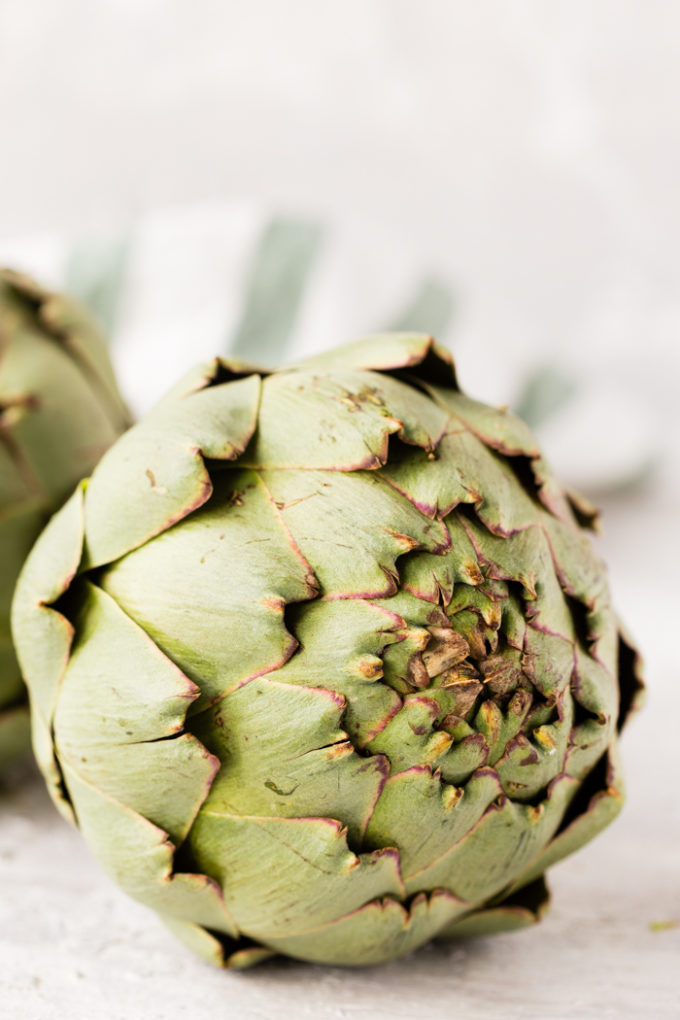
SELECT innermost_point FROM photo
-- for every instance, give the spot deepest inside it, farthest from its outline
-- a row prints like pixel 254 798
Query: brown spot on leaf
pixel 417 674
pixel 500 674
pixel 371 668
pixel 339 750
pixel 465 690
pixel 446 648
pixel 271 785
pixel 160 489
pixel 406 542
pixel 520 702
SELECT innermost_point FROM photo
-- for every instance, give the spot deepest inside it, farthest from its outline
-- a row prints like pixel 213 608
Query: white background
pixel 531 151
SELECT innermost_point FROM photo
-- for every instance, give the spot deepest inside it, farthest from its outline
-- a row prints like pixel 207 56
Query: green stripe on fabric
pixel 429 310
pixel 544 392
pixel 283 260
pixel 95 273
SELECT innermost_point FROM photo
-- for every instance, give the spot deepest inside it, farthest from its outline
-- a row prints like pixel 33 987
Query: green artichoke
pixel 59 411
pixel 321 662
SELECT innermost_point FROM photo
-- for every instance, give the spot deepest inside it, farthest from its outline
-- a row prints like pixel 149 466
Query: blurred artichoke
pixel 59 411
pixel 322 663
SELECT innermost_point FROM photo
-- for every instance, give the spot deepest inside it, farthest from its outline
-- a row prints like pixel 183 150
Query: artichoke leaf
pixel 379 931
pixel 122 737
pixel 433 577
pixel 445 815
pixel 329 513
pixel 497 427
pixel 417 353
pixel 341 648
pixel 156 474
pixel 219 951
pixel 598 804
pixel 42 634
pixel 285 875
pixel 51 397
pixel 138 855
pixel 522 910
pixel 311 769
pixel 73 326
pixel 237 568
pixel 496 848
pixel 340 424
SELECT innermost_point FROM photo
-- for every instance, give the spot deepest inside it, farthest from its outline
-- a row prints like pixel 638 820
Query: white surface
pixel 528 150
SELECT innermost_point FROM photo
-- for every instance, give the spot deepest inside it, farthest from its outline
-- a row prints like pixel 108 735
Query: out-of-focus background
pixel 268 178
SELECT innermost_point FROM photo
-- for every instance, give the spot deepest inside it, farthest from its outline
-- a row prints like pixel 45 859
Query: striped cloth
pixel 183 285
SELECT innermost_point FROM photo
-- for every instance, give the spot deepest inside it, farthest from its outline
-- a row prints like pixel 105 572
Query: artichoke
pixel 322 663
pixel 59 411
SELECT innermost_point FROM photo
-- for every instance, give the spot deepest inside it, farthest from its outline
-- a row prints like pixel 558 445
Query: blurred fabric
pixel 234 278
pixel 528 153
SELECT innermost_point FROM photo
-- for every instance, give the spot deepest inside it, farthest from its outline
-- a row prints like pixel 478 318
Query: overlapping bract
pixel 321 662
pixel 59 411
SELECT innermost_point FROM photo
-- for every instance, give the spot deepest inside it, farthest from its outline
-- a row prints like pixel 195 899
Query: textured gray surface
pixel 77 948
